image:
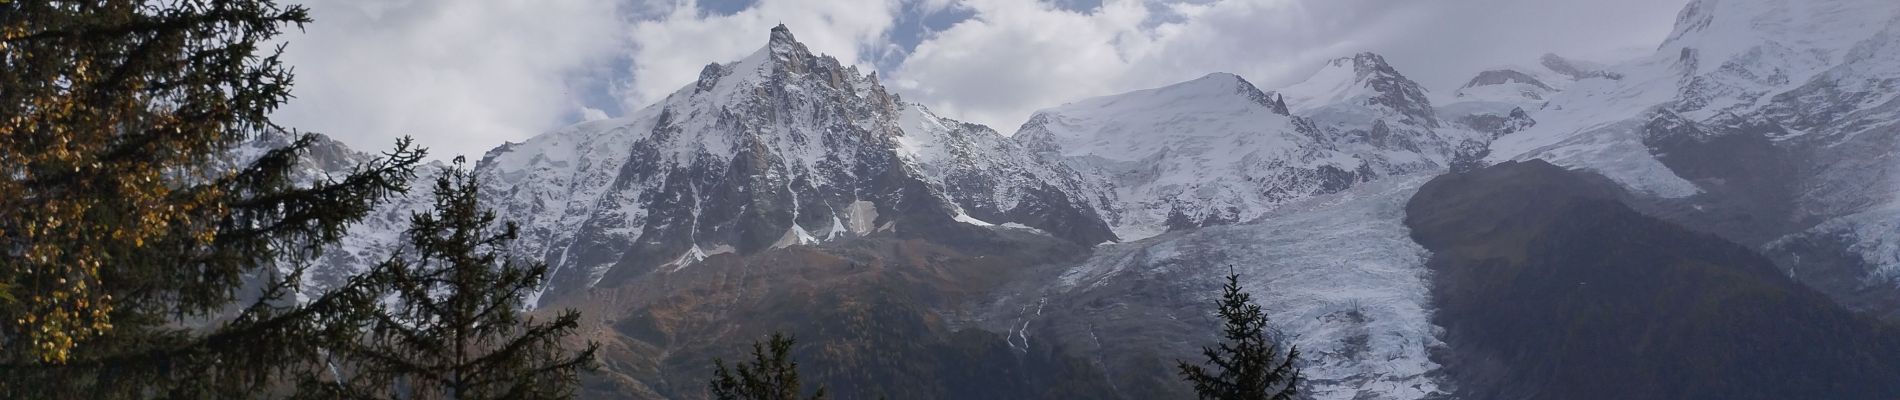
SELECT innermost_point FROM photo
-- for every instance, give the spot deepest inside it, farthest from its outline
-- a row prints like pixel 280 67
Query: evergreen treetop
pixel 771 375
pixel 1247 364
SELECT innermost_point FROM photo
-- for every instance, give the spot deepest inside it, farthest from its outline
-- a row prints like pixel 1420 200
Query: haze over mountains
pixel 1734 191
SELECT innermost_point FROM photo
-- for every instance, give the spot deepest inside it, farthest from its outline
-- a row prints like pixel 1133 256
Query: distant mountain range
pixel 1720 219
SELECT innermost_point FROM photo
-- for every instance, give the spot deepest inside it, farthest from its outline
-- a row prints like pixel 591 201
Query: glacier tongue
pixel 1338 274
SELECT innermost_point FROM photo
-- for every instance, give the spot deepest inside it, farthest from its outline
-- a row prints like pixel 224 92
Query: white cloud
pixel 461 76
pixel 1016 56
pixel 669 51
pixel 592 114
pixel 465 75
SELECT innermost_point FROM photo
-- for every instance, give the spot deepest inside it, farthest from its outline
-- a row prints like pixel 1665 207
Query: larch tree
pixel 1247 364
pixel 128 237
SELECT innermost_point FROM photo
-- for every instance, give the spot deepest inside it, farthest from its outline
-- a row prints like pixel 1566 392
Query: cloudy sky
pixel 463 76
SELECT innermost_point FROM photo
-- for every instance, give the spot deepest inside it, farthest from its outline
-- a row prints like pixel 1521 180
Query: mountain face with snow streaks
pixel 781 148
pixel 786 190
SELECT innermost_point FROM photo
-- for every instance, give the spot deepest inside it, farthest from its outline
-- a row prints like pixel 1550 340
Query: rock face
pixel 1549 287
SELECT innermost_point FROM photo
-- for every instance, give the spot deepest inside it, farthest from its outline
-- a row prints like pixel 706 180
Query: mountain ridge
pixel 1077 243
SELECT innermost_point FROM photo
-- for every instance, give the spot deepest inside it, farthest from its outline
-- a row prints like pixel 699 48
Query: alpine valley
pixel 1717 220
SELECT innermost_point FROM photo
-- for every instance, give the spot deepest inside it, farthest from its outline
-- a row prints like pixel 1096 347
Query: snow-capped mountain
pixel 1326 249
pixel 781 148
pixel 1780 137
pixel 1767 122
pixel 1365 102
pixel 1217 150
pixel 1359 90
pixel 1527 86
pixel 1499 101
pixel 1208 151
pixel 1710 68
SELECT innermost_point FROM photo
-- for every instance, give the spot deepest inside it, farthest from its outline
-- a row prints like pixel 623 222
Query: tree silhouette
pixel 772 375
pixel 1247 365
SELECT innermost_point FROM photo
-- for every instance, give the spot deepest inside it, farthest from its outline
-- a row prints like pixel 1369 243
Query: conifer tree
pixel 452 327
pixel 771 375
pixel 127 234
pixel 1247 365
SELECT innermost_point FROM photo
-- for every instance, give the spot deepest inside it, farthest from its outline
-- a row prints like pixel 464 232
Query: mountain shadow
pixel 1549 287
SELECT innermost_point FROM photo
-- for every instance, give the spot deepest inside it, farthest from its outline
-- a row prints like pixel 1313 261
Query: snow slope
pixel 1217 150
pixel 1186 154
pixel 1724 58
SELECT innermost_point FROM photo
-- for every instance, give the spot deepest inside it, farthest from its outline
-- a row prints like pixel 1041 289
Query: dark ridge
pixel 1503 76
pixel 1549 287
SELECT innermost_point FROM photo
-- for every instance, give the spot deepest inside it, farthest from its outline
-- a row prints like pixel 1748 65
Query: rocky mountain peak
pixel 783 63
pixel 1395 91
pixel 786 50
pixel 1367 64
pixel 1364 80
pixel 782 148
pixel 782 35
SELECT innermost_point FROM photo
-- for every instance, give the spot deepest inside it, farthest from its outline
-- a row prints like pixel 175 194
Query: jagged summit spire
pixel 782 34
pixel 782 42
pixel 1363 79
pixel 787 50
